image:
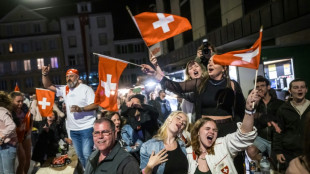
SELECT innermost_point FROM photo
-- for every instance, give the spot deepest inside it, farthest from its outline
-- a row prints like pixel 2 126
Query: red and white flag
pixel 248 58
pixel 16 88
pixel 110 70
pixel 156 27
pixel 45 99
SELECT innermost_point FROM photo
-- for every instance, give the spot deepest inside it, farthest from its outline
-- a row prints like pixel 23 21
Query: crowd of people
pixel 215 130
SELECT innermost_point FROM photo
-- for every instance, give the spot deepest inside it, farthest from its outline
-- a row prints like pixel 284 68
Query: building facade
pixel 29 41
pixel 234 24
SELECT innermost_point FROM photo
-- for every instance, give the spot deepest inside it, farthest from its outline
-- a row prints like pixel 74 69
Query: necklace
pixel 202 158
pixel 216 82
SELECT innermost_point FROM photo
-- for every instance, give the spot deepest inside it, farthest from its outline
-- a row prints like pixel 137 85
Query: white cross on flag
pixel 248 58
pixel 45 99
pixel 156 27
pixel 110 70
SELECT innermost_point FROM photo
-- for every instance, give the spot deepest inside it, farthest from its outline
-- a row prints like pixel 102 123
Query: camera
pixel 205 49
pixel 205 52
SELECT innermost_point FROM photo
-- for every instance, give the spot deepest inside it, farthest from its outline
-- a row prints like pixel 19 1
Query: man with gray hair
pixel 109 157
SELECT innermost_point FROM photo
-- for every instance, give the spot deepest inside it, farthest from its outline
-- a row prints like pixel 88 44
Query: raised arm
pixel 46 80
pixel 179 88
pixel 248 120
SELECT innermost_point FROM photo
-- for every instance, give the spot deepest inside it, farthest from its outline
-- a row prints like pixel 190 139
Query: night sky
pixel 124 27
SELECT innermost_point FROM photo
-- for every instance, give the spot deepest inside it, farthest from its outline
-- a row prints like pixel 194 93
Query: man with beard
pixel 79 100
pixel 292 116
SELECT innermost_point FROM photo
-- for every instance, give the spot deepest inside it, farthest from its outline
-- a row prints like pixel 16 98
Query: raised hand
pixel 148 70
pixel 46 69
pixel 252 100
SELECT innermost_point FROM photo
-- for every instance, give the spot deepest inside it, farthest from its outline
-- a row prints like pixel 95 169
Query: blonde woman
pixel 166 153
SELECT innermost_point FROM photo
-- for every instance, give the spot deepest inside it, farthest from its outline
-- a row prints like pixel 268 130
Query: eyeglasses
pixel 104 133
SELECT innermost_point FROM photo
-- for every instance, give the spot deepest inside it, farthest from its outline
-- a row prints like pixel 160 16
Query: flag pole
pixel 255 86
pixel 97 54
pixel 138 29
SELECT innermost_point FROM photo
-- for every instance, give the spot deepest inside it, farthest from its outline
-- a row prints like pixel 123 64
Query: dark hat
pixel 138 96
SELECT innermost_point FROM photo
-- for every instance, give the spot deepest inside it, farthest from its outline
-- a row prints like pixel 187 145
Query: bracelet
pixel 44 74
pixel 250 112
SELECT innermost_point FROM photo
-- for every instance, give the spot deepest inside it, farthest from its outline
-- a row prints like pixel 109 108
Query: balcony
pixel 278 18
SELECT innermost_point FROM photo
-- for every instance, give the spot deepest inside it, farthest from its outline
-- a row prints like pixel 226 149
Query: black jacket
pixel 292 126
pixel 148 120
pixel 118 161
pixel 265 114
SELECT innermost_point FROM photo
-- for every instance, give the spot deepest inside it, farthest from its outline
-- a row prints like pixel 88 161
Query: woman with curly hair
pixel 165 153
pixel 210 154
pixel 8 137
pixel 23 121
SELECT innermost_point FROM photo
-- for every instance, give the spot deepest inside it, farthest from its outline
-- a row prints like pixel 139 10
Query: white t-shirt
pixel 81 96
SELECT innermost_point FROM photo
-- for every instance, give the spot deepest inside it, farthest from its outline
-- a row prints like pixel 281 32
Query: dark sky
pixel 124 27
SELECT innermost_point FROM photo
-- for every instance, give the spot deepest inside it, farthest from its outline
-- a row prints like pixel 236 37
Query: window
pixel 52 44
pixel 9 30
pixel 26 47
pixel 14 66
pixel 71 60
pixel 3 85
pixel 103 39
pixel 56 80
pixel 29 82
pixel 37 28
pixel 40 63
pixel 100 22
pixel 1 68
pixel 72 41
pixel 70 25
pixel 54 62
pixel 139 48
pixel 84 8
pixel 38 45
pixel 27 66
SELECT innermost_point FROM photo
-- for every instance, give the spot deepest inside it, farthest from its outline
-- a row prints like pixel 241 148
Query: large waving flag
pixel 16 88
pixel 110 70
pixel 156 27
pixel 45 99
pixel 248 58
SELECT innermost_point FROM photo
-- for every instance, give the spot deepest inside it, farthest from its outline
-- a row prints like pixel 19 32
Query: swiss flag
pixel 156 27
pixel 110 70
pixel 248 58
pixel 45 99
pixel 16 88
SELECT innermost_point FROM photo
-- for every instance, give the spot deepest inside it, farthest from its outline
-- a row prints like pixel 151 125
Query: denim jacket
pixel 155 145
pixel 130 138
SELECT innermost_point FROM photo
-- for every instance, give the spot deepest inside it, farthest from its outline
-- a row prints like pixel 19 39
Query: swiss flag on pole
pixel 45 99
pixel 156 27
pixel 16 88
pixel 248 58
pixel 110 70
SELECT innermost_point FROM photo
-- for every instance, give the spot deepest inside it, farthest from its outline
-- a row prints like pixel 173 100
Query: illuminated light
pixel 112 92
pixel 10 48
pixel 150 84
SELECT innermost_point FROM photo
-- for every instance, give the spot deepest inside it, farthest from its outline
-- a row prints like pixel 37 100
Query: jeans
pixel 263 145
pixel 7 159
pixel 83 143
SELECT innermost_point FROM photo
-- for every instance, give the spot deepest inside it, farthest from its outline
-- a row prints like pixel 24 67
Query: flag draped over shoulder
pixel 156 27
pixel 110 70
pixel 248 58
pixel 16 88
pixel 45 99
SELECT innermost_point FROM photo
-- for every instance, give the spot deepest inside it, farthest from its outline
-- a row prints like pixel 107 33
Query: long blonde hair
pixel 162 131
